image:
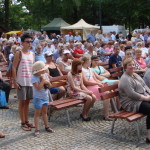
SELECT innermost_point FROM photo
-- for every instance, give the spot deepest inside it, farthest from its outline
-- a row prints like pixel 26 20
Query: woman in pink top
pixel 109 47
pixel 139 60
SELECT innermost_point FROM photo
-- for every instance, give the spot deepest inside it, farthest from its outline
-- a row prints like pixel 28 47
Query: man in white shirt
pixel 113 36
pixel 99 35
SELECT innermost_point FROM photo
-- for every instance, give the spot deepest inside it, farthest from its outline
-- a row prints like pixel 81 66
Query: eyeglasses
pixel 28 41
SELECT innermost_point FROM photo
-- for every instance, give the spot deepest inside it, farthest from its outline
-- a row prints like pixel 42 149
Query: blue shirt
pixel 91 38
pixel 77 38
pixel 103 57
pixel 115 60
pixel 40 57
pixel 43 93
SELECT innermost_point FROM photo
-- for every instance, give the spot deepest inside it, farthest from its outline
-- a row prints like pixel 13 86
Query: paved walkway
pixel 93 135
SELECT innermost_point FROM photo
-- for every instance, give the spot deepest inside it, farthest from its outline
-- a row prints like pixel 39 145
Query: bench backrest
pixel 111 91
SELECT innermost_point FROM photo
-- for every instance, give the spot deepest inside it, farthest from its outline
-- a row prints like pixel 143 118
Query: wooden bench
pixel 116 73
pixel 128 116
pixel 65 102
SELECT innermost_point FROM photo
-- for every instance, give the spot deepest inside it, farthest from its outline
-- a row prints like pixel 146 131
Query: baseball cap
pixel 66 52
pixel 48 54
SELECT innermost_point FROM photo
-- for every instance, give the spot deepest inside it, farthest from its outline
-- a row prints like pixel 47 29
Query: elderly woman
pixel 76 88
pixel 140 62
pixel 92 81
pixel 134 93
pixel 90 50
pixel 65 63
pixel 54 71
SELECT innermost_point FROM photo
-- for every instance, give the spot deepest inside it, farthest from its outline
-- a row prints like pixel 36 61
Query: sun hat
pixel 39 66
pixel 48 54
pixel 66 52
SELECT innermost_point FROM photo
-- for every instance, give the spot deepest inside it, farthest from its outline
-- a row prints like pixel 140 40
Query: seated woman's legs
pixel 106 104
pixel 88 104
pixel 61 93
pixel 145 109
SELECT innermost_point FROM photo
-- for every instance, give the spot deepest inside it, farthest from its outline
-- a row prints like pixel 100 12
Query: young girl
pixel 77 90
pixel 41 84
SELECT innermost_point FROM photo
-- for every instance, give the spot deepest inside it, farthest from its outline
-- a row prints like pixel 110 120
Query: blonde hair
pixel 85 58
pixel 138 50
pixel 127 61
pixel 13 48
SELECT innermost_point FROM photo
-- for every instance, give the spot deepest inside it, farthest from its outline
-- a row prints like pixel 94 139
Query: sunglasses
pixel 28 41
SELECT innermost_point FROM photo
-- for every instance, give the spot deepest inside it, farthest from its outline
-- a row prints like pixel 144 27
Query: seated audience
pixel 77 90
pixel 65 62
pixel 134 93
pixel 101 71
pixel 92 81
pixel 54 71
pixel 115 60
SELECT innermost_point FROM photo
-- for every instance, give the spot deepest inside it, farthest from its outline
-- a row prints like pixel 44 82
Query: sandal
pixel 37 133
pixel 48 129
pixel 107 119
pixel 25 127
pixel 2 135
pixel 85 119
pixel 30 125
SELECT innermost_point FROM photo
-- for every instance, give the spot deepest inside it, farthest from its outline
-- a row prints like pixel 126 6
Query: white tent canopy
pixel 81 25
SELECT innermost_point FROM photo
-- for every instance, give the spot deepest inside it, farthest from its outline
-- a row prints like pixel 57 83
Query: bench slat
pixel 66 105
pixel 61 101
pixel 127 115
pixel 135 117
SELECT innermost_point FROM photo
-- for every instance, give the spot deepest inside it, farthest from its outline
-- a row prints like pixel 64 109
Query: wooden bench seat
pixel 65 102
pixel 128 116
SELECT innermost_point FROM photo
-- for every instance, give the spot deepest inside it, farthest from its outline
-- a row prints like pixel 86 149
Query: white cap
pixel 66 52
pixel 49 53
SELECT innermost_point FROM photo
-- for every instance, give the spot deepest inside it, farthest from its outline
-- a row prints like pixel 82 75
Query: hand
pixel 89 92
pixel 46 82
pixel 100 84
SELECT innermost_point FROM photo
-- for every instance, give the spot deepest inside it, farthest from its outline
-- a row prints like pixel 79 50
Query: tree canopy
pixel 131 13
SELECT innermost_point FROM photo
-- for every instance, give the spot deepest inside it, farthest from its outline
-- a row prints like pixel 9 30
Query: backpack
pixel 9 70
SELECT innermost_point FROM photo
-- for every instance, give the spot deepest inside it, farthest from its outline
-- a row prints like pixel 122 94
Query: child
pixel 41 86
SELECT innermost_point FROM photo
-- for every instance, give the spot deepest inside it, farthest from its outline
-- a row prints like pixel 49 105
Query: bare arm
pixel 70 80
pixel 14 68
pixel 106 73
pixel 4 57
pixel 88 83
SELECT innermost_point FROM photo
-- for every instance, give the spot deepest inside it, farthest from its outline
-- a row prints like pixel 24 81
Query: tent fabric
pixel 55 24
pixel 81 25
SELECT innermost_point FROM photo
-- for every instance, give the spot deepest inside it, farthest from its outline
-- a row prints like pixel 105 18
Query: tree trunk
pixel 6 5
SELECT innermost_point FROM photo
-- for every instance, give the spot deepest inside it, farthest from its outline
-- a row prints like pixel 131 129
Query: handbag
pixel 2 99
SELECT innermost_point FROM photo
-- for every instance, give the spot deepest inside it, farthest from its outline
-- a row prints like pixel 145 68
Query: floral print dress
pixel 73 93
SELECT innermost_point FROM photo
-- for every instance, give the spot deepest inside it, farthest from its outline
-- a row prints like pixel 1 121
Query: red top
pixel 141 62
pixel 78 51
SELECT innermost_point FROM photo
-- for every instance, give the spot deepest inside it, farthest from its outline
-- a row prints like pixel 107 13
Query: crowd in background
pixel 79 59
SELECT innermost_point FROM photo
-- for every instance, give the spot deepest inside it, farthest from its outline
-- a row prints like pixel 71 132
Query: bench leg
pixel 112 126
pixel 138 131
pixel 68 117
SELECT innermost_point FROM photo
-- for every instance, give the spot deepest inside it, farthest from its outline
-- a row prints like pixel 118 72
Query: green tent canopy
pixel 55 24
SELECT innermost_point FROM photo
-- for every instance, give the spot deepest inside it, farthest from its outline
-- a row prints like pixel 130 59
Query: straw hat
pixel 39 66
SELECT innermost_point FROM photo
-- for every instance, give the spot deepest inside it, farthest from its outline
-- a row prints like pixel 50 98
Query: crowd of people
pixel 36 58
